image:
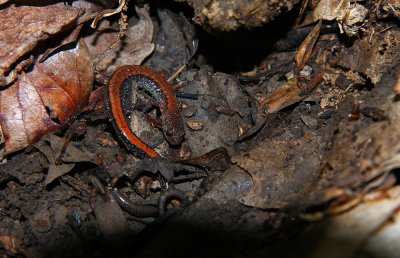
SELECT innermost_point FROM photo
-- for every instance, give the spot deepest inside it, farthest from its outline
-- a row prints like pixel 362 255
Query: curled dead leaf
pixel 290 93
pixel 305 49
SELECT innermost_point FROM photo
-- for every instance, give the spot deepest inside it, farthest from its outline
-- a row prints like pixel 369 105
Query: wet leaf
pixel 23 27
pixel 50 146
pixel 72 154
pixel 46 98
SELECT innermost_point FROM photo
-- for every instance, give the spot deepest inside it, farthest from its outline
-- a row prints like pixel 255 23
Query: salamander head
pixel 173 128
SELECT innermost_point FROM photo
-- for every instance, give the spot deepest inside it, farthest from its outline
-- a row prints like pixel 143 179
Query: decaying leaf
pixel 71 38
pixel 46 98
pixel 282 171
pixel 221 15
pixel 329 9
pixel 156 165
pixel 34 24
pixel 54 170
pixel 176 41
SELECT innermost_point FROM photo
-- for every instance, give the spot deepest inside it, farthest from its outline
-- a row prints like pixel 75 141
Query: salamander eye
pixel 169 131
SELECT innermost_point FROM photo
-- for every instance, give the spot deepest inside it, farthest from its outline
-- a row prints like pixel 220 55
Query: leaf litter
pixel 298 169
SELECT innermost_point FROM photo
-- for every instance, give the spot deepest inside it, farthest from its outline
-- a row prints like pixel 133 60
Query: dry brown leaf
pixel 23 27
pixel 87 11
pixel 46 98
pixel 138 44
pixel 217 159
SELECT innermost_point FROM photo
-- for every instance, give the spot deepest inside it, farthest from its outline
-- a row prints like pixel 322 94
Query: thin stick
pixel 176 74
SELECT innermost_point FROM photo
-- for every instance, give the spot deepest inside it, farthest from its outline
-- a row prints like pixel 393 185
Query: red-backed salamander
pixel 155 84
